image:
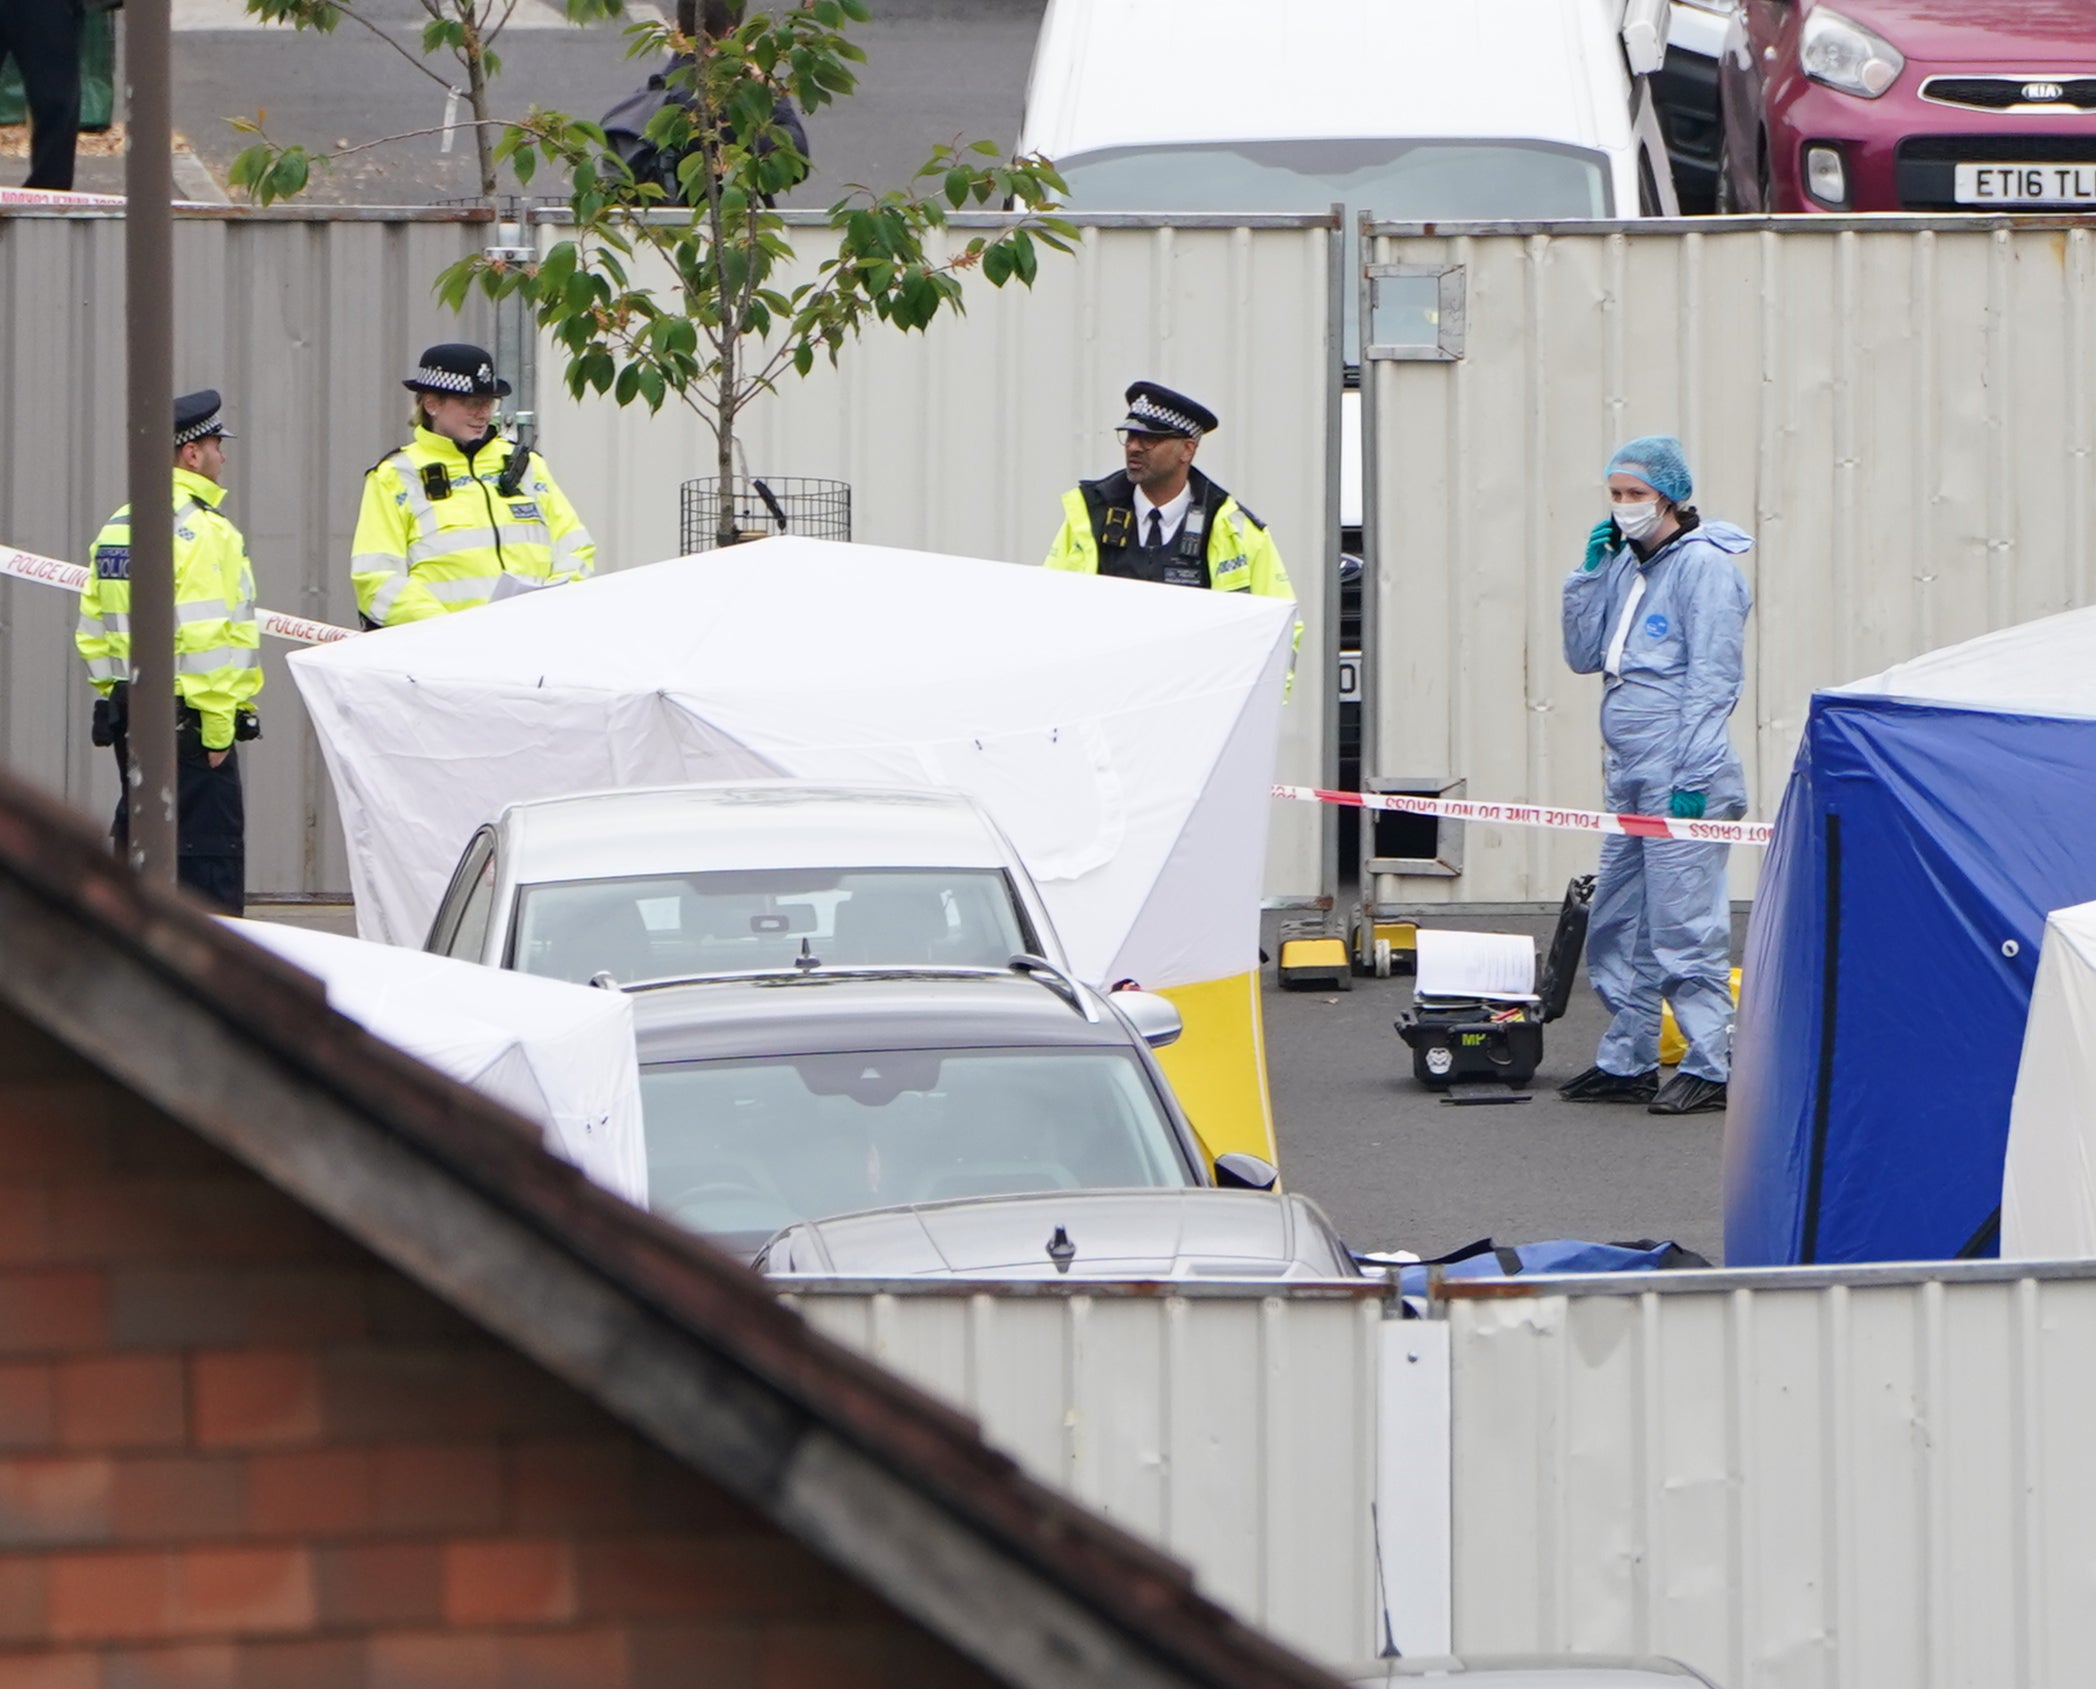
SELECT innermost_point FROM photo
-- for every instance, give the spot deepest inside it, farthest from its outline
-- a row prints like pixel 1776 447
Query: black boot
pixel 1598 1085
pixel 1686 1094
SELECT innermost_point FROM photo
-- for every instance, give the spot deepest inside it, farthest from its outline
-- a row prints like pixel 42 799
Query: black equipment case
pixel 1456 1039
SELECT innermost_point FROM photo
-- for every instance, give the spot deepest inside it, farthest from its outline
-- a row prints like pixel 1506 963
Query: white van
pixel 1417 110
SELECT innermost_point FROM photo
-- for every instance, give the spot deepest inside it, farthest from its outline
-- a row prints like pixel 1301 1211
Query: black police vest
pixel 1181 561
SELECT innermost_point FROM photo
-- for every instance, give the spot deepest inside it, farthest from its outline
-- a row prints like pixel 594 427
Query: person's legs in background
pixel 1691 932
pixel 44 38
pixel 1619 962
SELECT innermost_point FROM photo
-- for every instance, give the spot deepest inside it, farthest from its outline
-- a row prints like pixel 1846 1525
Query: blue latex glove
pixel 1686 806
pixel 1602 544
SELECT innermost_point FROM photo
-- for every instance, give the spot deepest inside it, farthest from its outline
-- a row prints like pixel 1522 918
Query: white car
pixel 712 881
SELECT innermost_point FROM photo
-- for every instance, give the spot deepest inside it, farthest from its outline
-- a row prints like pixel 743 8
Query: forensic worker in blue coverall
pixel 1658 608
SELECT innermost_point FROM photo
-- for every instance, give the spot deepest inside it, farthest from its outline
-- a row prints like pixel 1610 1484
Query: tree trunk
pixel 726 532
pixel 477 98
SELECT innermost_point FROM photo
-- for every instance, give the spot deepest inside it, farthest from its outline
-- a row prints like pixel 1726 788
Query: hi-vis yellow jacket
pixel 218 644
pixel 1241 554
pixel 435 532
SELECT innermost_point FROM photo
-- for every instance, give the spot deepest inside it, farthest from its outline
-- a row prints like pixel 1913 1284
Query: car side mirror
pixel 1154 1017
pixel 1241 1172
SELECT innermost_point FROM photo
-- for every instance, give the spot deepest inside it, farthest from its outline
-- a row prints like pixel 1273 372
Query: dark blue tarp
pixel 1917 853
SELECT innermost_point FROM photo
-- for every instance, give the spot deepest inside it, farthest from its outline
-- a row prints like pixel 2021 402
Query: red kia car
pixel 1909 105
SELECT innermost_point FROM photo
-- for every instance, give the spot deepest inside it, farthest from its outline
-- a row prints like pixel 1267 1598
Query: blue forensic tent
pixel 1935 814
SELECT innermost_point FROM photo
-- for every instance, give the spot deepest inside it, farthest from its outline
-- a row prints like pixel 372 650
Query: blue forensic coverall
pixel 1661 924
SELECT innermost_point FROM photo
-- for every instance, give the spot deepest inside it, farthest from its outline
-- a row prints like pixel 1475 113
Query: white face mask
pixel 1638 521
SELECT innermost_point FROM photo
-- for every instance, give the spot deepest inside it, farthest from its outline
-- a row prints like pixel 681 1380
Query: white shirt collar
pixel 1173 512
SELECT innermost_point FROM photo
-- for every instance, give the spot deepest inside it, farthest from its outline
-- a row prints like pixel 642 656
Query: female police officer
pixel 458 507
pixel 1659 610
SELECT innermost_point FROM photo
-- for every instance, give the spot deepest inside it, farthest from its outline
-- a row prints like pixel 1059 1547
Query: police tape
pixel 1541 815
pixel 28 566
pixel 58 199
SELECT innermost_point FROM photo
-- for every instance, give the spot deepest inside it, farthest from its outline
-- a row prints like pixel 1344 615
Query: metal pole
pixel 149 336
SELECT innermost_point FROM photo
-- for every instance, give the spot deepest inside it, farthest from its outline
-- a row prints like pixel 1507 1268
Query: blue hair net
pixel 1659 462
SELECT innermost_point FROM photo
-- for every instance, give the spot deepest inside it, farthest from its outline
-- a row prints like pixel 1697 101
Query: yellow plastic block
pixel 1672 1046
pixel 1218 1066
pixel 1313 953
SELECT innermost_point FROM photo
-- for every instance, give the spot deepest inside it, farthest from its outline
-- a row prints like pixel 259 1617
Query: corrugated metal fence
pixel 1231 1425
pixel 1863 1478
pixel 1880 1478
pixel 305 320
pixel 961 439
pixel 1902 413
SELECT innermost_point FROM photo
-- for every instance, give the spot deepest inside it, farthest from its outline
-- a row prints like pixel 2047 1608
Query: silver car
pixel 708 881
pixel 1075 1234
pixel 786 1097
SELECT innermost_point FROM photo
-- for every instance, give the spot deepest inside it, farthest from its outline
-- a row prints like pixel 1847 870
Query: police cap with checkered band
pixel 197 417
pixel 465 372
pixel 1156 409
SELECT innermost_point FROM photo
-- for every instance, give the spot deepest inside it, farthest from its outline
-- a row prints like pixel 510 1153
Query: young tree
pixel 679 278
pixel 466 29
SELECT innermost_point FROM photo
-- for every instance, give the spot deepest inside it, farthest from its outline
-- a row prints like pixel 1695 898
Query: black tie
pixel 1156 540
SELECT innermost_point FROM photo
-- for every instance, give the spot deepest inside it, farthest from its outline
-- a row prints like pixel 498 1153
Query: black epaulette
pixel 1245 511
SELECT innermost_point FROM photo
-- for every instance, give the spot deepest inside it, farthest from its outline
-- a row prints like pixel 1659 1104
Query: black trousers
pixel 210 818
pixel 44 38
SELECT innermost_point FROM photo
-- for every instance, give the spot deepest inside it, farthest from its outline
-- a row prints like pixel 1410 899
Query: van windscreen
pixel 1398 180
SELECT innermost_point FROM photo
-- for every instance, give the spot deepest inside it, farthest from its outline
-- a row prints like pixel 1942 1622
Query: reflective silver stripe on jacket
pixel 387 590
pixel 108 668
pixel 207 610
pixel 479 538
pixel 422 514
pixel 461 592
pixel 109 622
pixel 567 546
pixel 223 657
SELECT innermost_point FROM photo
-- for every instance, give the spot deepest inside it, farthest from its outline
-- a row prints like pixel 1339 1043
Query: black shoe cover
pixel 1598 1085
pixel 1686 1094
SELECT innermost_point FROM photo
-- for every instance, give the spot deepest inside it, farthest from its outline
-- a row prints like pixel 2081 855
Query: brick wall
pixel 237 1451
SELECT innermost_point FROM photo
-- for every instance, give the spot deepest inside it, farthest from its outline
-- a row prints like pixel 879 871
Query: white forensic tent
pixel 560 1055
pixel 2048 1185
pixel 1123 735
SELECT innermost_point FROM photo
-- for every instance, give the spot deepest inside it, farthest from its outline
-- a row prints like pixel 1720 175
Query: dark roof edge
pixel 679 1341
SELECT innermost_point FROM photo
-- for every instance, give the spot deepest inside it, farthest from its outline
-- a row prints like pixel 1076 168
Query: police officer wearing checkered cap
pixel 457 508
pixel 218 658
pixel 1158 518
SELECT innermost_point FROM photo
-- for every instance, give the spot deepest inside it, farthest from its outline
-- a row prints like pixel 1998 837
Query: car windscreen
pixel 680 926
pixel 740 1148
pixel 1397 180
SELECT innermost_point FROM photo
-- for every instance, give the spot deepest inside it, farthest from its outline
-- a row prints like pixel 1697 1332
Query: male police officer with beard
pixel 1159 518
pixel 218 658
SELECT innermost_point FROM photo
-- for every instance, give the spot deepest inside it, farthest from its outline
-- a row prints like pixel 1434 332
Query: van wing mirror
pixel 1645 35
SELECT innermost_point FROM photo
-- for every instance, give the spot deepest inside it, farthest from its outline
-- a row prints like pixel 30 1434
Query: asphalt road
pixel 1395 1166
pixel 936 70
